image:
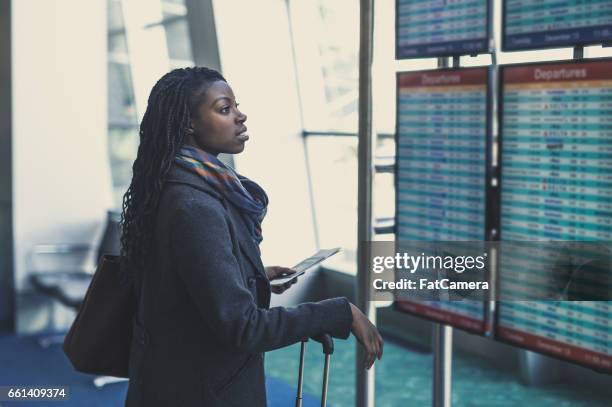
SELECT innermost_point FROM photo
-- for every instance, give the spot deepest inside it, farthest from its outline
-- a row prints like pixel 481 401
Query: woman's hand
pixel 367 335
pixel 274 272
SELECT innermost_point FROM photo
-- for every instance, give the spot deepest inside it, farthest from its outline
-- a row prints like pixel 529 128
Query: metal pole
pixel 325 380
pixel 442 348
pixel 8 305
pixel 364 378
pixel 298 397
pixel 442 336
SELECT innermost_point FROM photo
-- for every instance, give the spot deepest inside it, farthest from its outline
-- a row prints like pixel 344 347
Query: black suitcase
pixel 328 348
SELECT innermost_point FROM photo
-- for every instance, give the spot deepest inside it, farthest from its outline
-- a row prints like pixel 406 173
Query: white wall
pixel 61 177
pixel 257 61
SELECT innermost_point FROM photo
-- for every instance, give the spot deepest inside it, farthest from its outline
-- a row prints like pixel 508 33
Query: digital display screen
pixel 529 24
pixel 556 186
pixel 441 27
pixel 441 171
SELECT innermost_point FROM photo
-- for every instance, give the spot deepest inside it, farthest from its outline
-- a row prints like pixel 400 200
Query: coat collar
pixel 181 175
pixel 247 244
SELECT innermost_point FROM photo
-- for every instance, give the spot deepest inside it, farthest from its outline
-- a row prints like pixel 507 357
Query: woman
pixel 191 230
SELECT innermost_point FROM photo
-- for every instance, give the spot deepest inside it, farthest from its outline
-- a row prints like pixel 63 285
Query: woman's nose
pixel 241 118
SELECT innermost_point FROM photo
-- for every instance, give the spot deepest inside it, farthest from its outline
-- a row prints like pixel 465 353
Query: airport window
pixel 122 117
pixel 131 74
pixel 334 188
pixel 326 42
pixel 326 52
pixel 177 32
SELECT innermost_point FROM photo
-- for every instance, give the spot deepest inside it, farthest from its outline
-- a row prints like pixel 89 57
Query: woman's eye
pixel 226 109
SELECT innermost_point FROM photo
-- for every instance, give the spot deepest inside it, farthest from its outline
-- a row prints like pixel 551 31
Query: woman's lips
pixel 243 136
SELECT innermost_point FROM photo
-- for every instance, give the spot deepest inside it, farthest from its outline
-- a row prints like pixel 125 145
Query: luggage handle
pixel 328 348
pixel 327 342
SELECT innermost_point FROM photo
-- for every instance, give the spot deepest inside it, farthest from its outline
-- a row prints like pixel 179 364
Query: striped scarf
pixel 245 194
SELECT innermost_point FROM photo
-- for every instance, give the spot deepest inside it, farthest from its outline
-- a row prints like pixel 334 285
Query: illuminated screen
pixel 529 24
pixel 441 27
pixel 556 186
pixel 441 171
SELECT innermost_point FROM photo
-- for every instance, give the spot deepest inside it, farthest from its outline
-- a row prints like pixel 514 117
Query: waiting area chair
pixel 68 284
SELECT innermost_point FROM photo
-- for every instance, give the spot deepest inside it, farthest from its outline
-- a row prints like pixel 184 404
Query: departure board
pixel 529 24
pixel 442 141
pixel 442 154
pixel 556 185
pixel 426 28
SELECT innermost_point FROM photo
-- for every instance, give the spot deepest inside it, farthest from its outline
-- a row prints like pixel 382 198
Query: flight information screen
pixel 529 24
pixel 556 186
pixel 426 28
pixel 442 142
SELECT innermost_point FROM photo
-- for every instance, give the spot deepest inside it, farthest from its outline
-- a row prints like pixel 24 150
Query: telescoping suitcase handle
pixel 328 348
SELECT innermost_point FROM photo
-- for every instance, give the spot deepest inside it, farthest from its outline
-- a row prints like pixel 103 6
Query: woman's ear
pixel 191 128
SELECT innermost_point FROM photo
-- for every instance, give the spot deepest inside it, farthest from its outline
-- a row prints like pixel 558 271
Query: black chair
pixel 68 285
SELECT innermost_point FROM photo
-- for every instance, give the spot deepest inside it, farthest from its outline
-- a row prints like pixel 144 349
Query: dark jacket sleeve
pixel 204 260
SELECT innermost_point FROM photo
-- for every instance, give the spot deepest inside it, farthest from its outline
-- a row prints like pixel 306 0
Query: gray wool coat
pixel 205 319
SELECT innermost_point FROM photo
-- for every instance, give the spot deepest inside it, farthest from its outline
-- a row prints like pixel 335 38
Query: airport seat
pixel 64 285
pixel 68 285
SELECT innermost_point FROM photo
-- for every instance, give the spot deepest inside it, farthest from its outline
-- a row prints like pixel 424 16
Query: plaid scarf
pixel 249 197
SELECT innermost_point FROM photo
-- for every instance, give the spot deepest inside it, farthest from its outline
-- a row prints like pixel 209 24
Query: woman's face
pixel 218 126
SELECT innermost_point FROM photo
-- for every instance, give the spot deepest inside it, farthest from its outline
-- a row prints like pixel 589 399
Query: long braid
pixel 173 101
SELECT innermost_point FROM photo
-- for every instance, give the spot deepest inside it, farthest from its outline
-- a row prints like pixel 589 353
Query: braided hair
pixel 173 101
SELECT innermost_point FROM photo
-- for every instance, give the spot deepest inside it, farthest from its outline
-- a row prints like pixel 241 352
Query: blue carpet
pixel 23 362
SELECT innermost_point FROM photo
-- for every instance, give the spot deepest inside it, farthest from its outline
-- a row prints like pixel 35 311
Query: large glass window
pixel 326 43
pixel 122 117
pixel 174 20
pixel 333 165
pixel 327 62
pixel 159 26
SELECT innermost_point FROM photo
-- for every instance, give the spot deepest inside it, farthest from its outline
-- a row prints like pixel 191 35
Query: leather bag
pixel 100 336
